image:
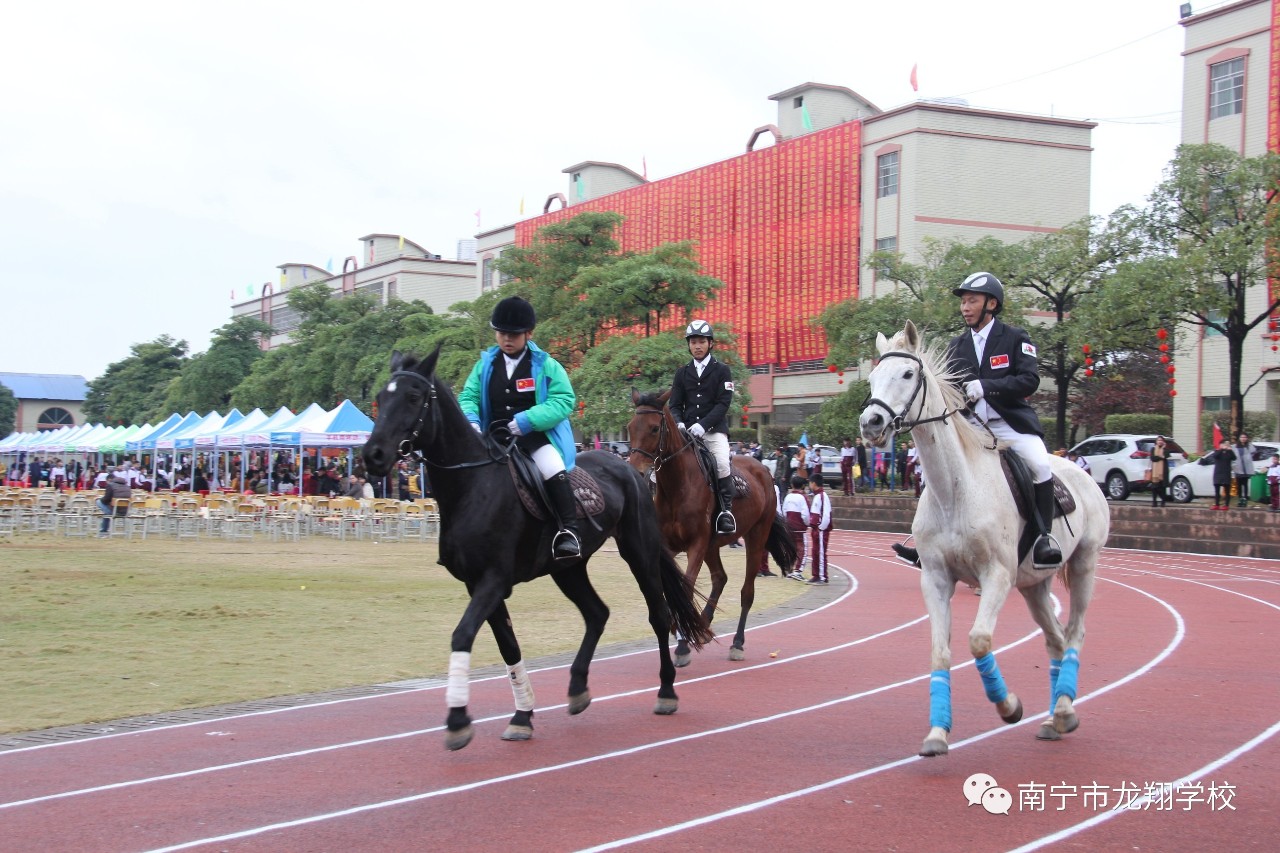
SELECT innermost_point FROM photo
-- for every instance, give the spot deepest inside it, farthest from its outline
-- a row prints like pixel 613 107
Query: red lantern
pixel 1170 369
pixel 1275 337
pixel 1085 349
pixel 831 368
pixel 1173 392
pixel 1164 359
pixel 1088 362
pixel 1172 380
pixel 1164 348
pixel 841 373
pixel 1088 371
pixel 1162 334
pixel 839 381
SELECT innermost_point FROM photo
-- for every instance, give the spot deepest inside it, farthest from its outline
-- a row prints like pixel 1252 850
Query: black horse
pixel 490 542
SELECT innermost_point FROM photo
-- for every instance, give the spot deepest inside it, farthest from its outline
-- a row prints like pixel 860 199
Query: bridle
pixel 660 458
pixel 407 448
pixel 898 420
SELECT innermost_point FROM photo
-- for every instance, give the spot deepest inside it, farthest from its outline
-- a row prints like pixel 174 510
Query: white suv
pixel 1121 464
pixel 1195 480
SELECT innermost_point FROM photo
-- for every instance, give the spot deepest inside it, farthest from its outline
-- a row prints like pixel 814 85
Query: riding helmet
pixel 513 314
pixel 983 282
pixel 699 329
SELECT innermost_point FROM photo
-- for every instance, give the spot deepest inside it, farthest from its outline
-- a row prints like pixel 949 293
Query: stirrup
pixel 1053 541
pixel 732 526
pixel 907 554
pixel 571 542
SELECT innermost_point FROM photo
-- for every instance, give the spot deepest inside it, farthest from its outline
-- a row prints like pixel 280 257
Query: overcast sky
pixel 156 156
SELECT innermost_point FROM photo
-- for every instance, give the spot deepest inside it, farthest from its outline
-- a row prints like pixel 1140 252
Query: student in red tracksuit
pixel 795 509
pixel 819 528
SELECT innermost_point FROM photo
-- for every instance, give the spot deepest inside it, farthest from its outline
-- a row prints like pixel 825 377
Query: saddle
pixel 588 497
pixel 707 463
pixel 1018 476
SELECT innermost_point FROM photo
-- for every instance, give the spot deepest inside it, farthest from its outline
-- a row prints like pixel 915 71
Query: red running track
pixel 813 749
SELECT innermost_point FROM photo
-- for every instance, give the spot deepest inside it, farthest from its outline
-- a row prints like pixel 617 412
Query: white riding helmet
pixel 699 329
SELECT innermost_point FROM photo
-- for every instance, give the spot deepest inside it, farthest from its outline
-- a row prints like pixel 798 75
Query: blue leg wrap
pixel 1055 667
pixel 992 680
pixel 940 699
pixel 1066 684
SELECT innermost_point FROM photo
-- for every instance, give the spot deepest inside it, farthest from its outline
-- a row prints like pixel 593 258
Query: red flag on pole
pixel 1217 435
pixel 915 83
pixel 644 168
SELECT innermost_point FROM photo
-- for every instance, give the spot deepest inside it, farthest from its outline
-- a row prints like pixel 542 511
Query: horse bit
pixel 659 459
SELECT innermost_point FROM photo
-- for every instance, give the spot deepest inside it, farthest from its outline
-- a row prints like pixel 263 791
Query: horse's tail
pixel 781 546
pixel 679 593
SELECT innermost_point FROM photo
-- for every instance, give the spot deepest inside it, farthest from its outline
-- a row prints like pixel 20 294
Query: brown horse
pixel 687 506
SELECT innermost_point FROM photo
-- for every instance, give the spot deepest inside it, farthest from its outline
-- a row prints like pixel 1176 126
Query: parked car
pixel 1195 479
pixel 1121 464
pixel 830 461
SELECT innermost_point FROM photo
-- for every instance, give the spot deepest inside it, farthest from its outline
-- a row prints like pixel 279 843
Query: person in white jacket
pixel 819 528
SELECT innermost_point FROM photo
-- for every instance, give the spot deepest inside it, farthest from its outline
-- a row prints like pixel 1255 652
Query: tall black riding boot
pixel 566 544
pixel 1045 554
pixel 725 522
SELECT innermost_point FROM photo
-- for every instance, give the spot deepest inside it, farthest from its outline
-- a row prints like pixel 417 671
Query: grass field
pixel 103 629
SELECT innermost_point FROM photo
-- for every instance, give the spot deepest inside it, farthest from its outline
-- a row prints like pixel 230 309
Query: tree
pixel 133 390
pixel 837 418
pixel 583 289
pixel 923 295
pixel 609 372
pixel 1128 382
pixel 1213 225
pixel 208 380
pixel 8 410
pixel 1059 273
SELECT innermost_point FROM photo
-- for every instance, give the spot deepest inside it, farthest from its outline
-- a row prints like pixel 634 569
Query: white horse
pixel 967 528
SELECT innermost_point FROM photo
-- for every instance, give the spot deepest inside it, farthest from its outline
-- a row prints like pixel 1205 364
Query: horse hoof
pixel 518 733
pixel 1016 714
pixel 666 707
pixel 934 747
pixel 579 703
pixel 1048 732
pixel 459 739
pixel 683 660
pixel 736 653
pixel 1065 723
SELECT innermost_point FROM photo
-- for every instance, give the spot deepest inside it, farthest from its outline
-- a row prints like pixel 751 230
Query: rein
pixel 408 447
pixel 659 458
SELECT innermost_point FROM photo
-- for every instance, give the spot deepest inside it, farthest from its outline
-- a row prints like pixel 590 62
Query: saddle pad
pixel 708 464
pixel 589 500
pixel 739 486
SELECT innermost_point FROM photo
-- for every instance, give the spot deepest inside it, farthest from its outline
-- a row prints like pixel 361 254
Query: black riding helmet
pixel 513 315
pixel 983 282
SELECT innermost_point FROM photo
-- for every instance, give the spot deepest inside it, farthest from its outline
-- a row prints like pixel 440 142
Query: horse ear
pixel 397 359
pixel 911 335
pixel 428 365
pixel 664 397
pixel 882 343
pixel 635 396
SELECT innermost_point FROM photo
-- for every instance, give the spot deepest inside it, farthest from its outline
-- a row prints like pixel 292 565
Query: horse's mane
pixel 946 381
pixel 649 400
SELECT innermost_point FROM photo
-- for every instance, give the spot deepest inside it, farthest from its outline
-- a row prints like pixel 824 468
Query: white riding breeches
pixel 548 460
pixel 1029 446
pixel 718 444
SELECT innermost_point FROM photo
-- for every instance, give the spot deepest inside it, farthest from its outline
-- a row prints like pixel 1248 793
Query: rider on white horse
pixel 701 395
pixel 998 370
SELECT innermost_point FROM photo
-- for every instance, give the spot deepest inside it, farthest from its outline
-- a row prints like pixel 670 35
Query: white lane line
pixel 853 587
pixel 746 808
pixel 200 771
pixel 481 783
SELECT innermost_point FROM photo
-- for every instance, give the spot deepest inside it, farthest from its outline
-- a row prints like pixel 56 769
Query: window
pixel 54 418
pixel 885 244
pixel 887 174
pixel 1226 88
pixel 486 274
pixel 1217 404
pixel 798 102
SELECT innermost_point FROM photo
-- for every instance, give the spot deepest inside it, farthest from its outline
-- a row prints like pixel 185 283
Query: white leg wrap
pixel 458 693
pixel 521 687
